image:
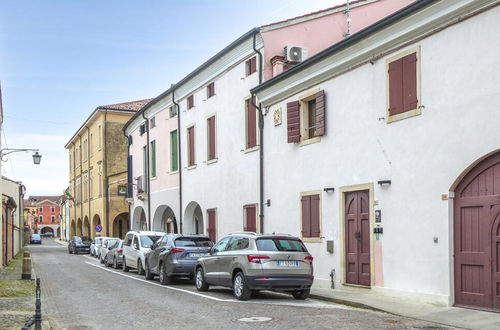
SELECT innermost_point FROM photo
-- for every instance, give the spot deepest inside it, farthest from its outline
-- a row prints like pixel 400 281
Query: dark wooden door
pixel 250 218
pixel 357 238
pixel 212 229
pixel 477 236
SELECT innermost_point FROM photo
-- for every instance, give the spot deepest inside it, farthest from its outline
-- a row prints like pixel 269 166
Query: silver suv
pixel 135 245
pixel 250 262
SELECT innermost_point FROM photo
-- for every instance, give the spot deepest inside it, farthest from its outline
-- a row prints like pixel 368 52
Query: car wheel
pixel 140 270
pixel 101 260
pixel 115 263
pixel 164 278
pixel 147 272
pixel 106 263
pixel 301 294
pixel 69 251
pixel 199 282
pixel 240 289
pixel 124 266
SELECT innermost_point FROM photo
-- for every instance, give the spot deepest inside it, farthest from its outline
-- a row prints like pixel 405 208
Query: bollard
pixel 38 307
pixel 26 275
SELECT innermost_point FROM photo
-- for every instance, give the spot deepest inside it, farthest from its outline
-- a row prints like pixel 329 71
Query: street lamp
pixel 6 151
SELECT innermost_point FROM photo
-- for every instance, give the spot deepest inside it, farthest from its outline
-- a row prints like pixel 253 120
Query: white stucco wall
pixel 423 156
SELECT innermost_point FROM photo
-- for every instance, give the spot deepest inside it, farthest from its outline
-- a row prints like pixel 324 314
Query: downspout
pixel 74 191
pixel 105 170
pixel 147 170
pixel 129 220
pixel 179 158
pixel 261 138
pixel 81 184
pixel 89 181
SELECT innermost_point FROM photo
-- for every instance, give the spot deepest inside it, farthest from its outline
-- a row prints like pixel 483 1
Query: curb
pixel 347 303
pixel 61 242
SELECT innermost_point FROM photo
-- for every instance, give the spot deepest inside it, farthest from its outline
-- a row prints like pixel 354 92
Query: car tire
pixel 199 280
pixel 147 272
pixel 241 291
pixel 101 260
pixel 115 263
pixel 69 251
pixel 301 294
pixel 140 269
pixel 124 266
pixel 164 278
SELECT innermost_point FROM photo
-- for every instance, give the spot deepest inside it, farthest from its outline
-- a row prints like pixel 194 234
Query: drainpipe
pixel 179 158
pixel 105 170
pixel 261 139
pixel 129 220
pixel 147 170
pixel 89 181
pixel 81 184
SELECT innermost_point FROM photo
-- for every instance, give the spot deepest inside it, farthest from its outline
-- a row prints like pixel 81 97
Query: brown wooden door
pixel 357 238
pixel 250 223
pixel 212 229
pixel 477 236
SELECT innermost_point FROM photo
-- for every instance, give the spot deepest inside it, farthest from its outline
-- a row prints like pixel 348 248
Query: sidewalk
pixel 450 316
pixel 57 240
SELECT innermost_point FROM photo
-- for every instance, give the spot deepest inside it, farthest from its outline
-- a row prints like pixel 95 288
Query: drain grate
pixel 255 319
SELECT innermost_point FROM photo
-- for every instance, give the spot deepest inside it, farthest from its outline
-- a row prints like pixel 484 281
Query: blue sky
pixel 59 60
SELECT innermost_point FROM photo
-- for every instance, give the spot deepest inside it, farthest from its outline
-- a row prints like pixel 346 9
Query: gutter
pixel 179 158
pixel 147 170
pixel 129 220
pixel 105 170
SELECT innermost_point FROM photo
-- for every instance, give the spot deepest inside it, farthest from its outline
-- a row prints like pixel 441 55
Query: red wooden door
pixel 357 238
pixel 212 229
pixel 477 236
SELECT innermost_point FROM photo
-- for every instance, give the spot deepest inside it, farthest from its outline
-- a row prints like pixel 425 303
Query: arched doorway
pixel 72 229
pixel 139 219
pixel 79 227
pixel 193 219
pixel 164 220
pixel 46 230
pixel 86 227
pixel 120 225
pixel 476 229
pixel 96 220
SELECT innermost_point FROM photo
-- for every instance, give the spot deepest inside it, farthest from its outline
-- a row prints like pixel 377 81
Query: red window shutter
pixel 293 121
pixel 211 138
pixel 212 229
pixel 190 101
pixel 191 160
pixel 306 216
pixel 253 65
pixel 410 100
pixel 320 113
pixel 251 218
pixel 315 224
pixel 396 87
pixel 251 125
pixel 211 89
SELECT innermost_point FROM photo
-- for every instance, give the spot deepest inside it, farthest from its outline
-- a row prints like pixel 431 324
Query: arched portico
pixel 47 229
pixel 164 220
pixel 193 219
pixel 72 229
pixel 86 227
pixel 79 227
pixel 96 220
pixel 120 225
pixel 139 219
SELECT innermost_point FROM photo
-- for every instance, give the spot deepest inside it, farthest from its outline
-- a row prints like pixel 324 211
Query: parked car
pixel 96 244
pixel 114 255
pixel 47 234
pixel 250 262
pixel 105 247
pixel 175 255
pixel 79 244
pixel 135 246
pixel 36 239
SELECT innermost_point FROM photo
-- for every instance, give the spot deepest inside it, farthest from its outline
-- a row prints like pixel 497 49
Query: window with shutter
pixel 212 226
pixel 174 152
pixel 190 101
pixel 403 85
pixel 251 124
pixel 250 218
pixel 307 118
pixel 311 215
pixel 293 121
pixel 211 138
pixel 191 146
pixel 152 156
pixel 251 66
pixel 210 90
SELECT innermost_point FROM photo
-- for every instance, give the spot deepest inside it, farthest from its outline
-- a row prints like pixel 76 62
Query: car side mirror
pixel 136 246
pixel 153 246
pixel 213 250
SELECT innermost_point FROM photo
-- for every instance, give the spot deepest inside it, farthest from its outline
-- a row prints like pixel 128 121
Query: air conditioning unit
pixel 295 53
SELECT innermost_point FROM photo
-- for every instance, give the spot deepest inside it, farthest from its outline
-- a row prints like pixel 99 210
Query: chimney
pixel 278 65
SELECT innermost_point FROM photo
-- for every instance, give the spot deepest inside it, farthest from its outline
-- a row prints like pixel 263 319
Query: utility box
pixel 329 246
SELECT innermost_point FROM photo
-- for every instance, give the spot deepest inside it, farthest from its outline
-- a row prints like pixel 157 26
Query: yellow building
pixel 98 172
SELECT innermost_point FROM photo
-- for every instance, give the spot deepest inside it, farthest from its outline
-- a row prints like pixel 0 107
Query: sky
pixel 59 60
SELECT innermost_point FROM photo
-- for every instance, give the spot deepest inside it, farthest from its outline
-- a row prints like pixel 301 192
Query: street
pixel 79 293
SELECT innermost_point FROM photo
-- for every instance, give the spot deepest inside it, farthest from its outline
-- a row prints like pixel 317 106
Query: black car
pixel 79 244
pixel 175 255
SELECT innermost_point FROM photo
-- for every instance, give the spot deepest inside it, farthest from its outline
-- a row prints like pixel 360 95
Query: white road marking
pixel 309 303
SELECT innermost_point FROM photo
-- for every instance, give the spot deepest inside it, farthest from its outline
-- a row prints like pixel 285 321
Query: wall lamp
pixel 383 182
pixel 331 189
pixel 6 151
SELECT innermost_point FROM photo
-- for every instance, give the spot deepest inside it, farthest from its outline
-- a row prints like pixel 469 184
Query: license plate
pixel 288 263
pixel 198 255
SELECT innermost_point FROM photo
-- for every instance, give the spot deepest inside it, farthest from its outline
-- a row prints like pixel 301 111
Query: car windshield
pixel 280 244
pixel 148 240
pixel 112 243
pixel 85 239
pixel 193 241
pixel 35 236
pixel 97 241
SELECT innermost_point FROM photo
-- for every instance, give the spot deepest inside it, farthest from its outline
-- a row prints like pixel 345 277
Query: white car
pixel 135 246
pixel 96 244
pixel 104 248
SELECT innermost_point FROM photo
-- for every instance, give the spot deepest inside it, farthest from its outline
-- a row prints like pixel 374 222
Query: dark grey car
pixel 175 255
pixel 79 244
pixel 114 256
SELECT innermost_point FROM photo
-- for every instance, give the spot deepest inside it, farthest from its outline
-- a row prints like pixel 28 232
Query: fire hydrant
pixel 26 275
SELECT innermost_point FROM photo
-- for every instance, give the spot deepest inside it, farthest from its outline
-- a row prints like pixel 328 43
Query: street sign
pixel 98 228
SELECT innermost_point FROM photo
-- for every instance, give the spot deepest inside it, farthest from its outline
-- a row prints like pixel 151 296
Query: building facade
pixel 98 172
pixel 47 216
pixel 387 158
pixel 11 222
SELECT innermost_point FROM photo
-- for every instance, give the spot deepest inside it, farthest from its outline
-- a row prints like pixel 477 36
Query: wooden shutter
pixel 190 101
pixel 211 137
pixel 250 218
pixel 174 152
pixel 212 230
pixel 253 64
pixel 409 88
pixel 315 224
pixel 293 121
pixel 320 113
pixel 306 216
pixel 396 87
pixel 211 89
pixel 191 160
pixel 251 124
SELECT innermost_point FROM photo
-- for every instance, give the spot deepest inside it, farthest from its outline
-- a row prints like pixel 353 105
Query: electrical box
pixel 329 246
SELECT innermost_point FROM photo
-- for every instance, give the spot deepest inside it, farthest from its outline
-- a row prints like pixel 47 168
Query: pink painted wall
pixel 321 33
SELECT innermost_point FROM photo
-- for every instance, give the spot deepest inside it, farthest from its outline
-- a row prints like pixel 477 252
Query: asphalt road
pixel 79 293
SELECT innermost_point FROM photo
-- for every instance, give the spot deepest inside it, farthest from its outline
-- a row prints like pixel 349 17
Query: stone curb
pixel 61 242
pixel 347 303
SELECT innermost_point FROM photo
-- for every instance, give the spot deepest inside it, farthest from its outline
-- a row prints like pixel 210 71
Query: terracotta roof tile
pixel 131 106
pixel 38 199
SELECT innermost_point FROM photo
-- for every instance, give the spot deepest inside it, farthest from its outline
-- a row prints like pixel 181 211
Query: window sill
pixel 310 141
pixel 404 115
pixel 252 149
pixel 312 240
pixel 192 167
pixel 173 172
pixel 211 161
pixel 153 178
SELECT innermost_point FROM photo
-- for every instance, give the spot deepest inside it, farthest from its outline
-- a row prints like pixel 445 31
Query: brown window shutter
pixel 396 87
pixel 320 113
pixel 251 125
pixel 306 216
pixel 315 224
pixel 251 220
pixel 190 101
pixel 211 138
pixel 293 121
pixel 191 160
pixel 253 65
pixel 410 100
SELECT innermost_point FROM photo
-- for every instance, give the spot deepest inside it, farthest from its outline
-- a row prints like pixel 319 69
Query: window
pixel 40 218
pixel 40 209
pixel 211 138
pixel 152 122
pixel 222 245
pixel 173 111
pixel 238 244
pixel 152 155
pixel 52 218
pixel 128 240
pixel 174 152
pixel 84 157
pixel 191 146
pixel 251 124
pixel 99 137
pixel 144 164
pixel 251 66
pixel 282 244
pixel 250 218
pixel 403 85
pixel 52 209
pixel 142 129
pixel 210 90
pixel 190 101
pixel 310 211
pixel 306 118
pixel 91 142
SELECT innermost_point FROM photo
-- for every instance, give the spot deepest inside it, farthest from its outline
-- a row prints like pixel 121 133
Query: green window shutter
pixel 153 159
pixel 174 162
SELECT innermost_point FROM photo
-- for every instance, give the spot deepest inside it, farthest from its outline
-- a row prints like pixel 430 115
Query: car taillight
pixel 120 251
pixel 176 250
pixel 309 258
pixel 256 258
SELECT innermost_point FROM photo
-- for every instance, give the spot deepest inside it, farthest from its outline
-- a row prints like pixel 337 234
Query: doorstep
pixel 450 316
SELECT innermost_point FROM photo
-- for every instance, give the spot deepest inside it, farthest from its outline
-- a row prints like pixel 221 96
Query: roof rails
pixel 279 234
pixel 244 232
